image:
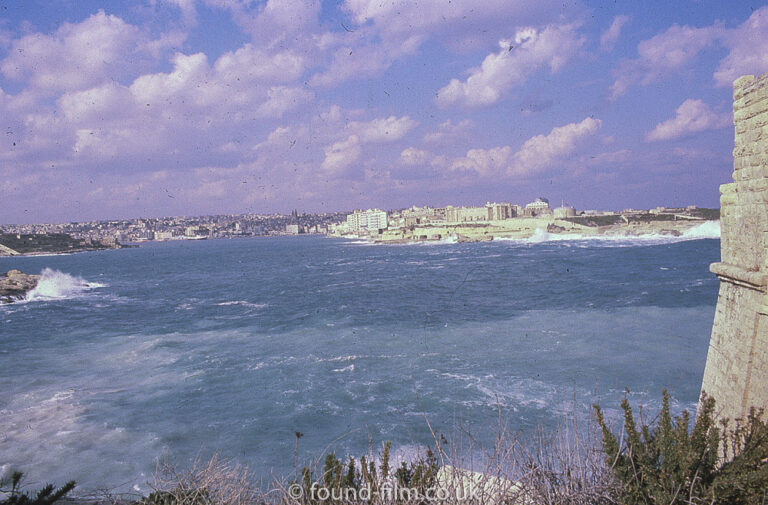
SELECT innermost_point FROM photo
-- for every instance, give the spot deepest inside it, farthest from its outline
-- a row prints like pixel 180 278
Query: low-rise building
pixel 465 214
pixel 500 211
pixel 564 211
pixel 538 207
pixel 422 215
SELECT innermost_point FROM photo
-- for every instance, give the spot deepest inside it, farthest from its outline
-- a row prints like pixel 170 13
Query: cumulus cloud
pixel 484 162
pixel 342 154
pixel 282 99
pixel 276 22
pixel 542 151
pixel 412 156
pixel 363 59
pixel 609 37
pixel 679 46
pixel 254 64
pixel 537 154
pixel 691 116
pixel 748 49
pixel 383 129
pixel 513 64
pixel 452 21
pixel 663 55
pixel 78 55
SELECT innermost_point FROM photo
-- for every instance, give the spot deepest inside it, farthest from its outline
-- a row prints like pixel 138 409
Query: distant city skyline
pixel 116 110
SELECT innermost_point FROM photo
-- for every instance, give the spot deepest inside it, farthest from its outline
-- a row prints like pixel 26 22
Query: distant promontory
pixel 15 244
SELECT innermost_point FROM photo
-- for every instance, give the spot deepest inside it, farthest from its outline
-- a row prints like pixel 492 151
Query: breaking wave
pixel 55 285
pixel 705 230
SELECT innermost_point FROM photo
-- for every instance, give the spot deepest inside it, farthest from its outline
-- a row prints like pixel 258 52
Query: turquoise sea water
pixel 186 348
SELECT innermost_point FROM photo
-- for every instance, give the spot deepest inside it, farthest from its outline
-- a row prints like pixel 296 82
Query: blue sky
pixel 186 107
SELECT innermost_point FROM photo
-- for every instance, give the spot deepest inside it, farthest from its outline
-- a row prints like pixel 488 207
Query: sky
pixel 150 108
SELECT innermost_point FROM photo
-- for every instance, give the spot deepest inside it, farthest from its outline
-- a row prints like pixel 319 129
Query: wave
pixel 705 230
pixel 243 303
pixel 56 285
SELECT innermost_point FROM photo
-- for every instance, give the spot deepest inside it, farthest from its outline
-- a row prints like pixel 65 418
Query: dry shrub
pixel 564 466
pixel 215 482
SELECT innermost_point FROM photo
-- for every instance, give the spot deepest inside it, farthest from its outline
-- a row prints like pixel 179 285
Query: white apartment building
pixel 367 220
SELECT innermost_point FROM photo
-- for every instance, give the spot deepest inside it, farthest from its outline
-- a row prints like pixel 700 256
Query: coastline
pixel 530 229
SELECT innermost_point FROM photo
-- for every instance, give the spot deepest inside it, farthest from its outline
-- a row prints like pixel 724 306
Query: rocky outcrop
pixel 15 285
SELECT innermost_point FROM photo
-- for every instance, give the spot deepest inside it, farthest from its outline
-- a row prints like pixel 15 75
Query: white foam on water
pixel 705 230
pixel 57 285
pixel 243 303
pixel 43 428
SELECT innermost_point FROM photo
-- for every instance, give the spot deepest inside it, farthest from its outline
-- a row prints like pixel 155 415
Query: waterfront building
pixel 537 207
pixel 564 211
pixel 365 221
pixel 422 215
pixel 162 235
pixel 500 211
pixel 465 214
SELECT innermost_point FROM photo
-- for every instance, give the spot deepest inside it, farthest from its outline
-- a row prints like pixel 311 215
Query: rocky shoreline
pixel 532 229
pixel 15 285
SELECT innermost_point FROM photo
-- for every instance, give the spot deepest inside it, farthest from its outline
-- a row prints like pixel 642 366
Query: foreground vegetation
pixel 665 461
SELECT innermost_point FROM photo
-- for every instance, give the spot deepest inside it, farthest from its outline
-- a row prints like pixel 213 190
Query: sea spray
pixel 54 285
pixel 707 229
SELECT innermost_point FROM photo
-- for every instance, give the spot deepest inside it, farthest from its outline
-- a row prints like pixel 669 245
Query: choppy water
pixel 184 348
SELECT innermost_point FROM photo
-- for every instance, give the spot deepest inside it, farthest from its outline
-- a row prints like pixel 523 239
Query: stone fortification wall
pixel 736 373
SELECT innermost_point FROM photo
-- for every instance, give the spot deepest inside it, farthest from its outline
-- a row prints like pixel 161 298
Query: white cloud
pixel 383 129
pixel 513 64
pixel 542 151
pixel 276 22
pixel 282 99
pixel 748 45
pixel 449 131
pixel 691 116
pixel 485 162
pixel 609 37
pixel 356 58
pixel 77 56
pixel 453 21
pixel 412 156
pixel 342 155
pixel 662 55
pixel 252 64
pixel 96 104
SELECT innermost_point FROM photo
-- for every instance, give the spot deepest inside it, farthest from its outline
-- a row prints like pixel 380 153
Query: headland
pixel 17 244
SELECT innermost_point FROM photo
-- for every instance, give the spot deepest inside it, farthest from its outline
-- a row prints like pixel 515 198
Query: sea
pixel 177 350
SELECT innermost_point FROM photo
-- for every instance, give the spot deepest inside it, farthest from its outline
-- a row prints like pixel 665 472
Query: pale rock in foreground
pixel 15 285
